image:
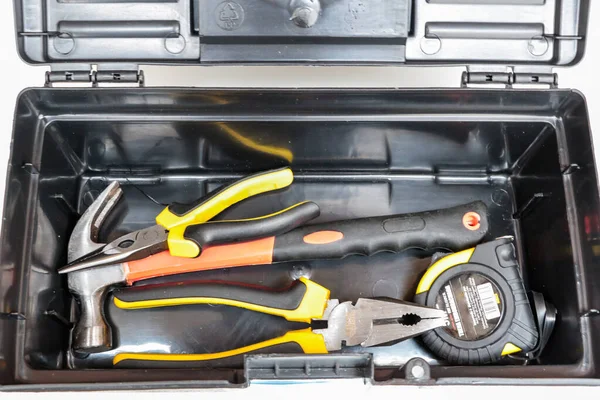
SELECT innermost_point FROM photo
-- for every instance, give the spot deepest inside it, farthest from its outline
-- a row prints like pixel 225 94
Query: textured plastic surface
pixel 309 366
pixel 77 33
pixel 357 153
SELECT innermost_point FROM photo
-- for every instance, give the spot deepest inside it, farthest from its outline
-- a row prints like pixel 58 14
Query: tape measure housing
pixel 483 292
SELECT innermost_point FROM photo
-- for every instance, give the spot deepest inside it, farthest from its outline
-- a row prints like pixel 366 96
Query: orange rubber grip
pixel 255 252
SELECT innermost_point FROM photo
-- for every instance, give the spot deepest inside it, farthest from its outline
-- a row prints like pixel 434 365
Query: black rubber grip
pixel 439 229
pixel 282 300
pixel 236 361
pixel 212 233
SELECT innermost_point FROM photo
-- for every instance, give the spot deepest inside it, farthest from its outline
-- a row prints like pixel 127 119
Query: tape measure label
pixel 474 304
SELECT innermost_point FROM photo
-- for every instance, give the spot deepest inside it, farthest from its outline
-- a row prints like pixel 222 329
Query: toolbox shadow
pixel 527 154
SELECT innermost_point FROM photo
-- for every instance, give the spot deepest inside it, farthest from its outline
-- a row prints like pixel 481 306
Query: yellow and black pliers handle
pixel 186 223
pixel 303 302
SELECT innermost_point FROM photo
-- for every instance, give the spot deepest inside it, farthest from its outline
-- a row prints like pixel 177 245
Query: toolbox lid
pixel 423 32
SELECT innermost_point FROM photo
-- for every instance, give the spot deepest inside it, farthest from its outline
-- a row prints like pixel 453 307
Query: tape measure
pixel 489 313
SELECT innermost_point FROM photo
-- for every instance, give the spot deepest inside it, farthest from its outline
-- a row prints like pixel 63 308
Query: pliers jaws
pixel 132 246
pixel 372 322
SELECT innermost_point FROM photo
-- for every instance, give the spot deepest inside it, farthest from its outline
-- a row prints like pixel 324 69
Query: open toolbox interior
pixel 356 153
pixel 526 153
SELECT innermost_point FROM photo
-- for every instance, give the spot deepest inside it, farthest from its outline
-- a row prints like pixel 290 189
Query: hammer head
pixel 91 333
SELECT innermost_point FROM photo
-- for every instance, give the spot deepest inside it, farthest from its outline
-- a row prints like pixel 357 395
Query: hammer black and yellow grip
pixel 176 217
pixel 195 237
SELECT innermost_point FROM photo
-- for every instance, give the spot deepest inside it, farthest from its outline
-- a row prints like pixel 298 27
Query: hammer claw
pixel 84 239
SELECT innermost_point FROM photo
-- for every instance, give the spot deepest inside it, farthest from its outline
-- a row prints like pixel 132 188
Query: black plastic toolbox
pixel 526 153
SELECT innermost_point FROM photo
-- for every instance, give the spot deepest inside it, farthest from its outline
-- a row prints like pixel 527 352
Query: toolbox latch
pixel 508 77
pixel 302 366
pixel 94 76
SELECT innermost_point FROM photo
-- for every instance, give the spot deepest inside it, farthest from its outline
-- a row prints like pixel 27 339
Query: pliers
pixel 184 230
pixel 366 322
pixel 197 245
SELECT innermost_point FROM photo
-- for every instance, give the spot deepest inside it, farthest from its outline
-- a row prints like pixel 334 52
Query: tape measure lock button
pixel 506 255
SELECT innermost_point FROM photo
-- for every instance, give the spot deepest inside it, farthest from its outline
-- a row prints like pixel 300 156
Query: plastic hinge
pixel 508 79
pixel 119 77
pixel 67 76
pixel 542 79
pixel 95 77
pixel 302 366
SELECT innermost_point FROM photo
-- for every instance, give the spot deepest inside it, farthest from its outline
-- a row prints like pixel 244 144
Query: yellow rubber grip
pixel 179 246
pixel 310 342
pixel 312 306
pixel 214 205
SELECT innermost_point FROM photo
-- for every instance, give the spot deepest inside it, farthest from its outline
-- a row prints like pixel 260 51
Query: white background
pixel 15 76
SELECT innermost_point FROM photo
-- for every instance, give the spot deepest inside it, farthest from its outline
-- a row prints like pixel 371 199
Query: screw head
pixel 417 371
pixel 538 46
pixel 304 17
